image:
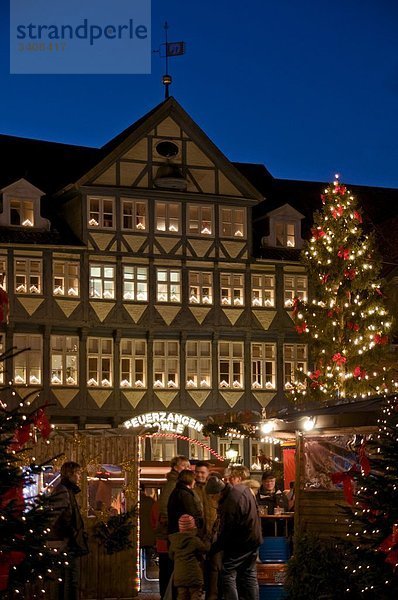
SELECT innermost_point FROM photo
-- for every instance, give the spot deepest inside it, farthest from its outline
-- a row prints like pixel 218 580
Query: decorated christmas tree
pixel 373 561
pixel 345 322
pixel 25 558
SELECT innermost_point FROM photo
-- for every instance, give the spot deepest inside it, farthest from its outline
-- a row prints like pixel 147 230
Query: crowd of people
pixel 208 530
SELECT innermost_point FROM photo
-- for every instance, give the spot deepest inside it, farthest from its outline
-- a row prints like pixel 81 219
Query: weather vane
pixel 170 49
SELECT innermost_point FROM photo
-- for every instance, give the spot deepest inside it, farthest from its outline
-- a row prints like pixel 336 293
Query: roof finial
pixel 171 49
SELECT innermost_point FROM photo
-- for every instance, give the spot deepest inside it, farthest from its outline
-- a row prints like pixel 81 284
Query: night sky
pixel 309 87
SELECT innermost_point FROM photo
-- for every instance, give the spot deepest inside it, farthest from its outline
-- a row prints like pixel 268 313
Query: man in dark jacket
pixel 68 529
pixel 183 501
pixel 177 464
pixel 239 538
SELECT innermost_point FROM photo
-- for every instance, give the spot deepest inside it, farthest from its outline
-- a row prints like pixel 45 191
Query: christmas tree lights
pixel 345 321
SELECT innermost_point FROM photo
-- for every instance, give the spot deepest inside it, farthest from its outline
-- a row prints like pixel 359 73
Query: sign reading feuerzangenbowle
pixel 80 37
pixel 171 422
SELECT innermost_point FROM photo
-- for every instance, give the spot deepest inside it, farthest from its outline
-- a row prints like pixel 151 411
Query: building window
pixel 233 222
pixel 21 213
pixel 134 215
pixel 102 281
pixel 200 220
pixel 28 276
pixel 66 277
pixel 294 358
pixel 198 364
pixel 231 362
pixel 168 285
pixel 284 234
pixel 295 286
pixel 2 350
pixel 200 451
pixel 231 285
pixel 263 290
pixel 101 212
pixel 132 363
pixel 28 363
pixel 64 360
pixel 3 271
pixel 166 364
pixel 200 287
pixel 263 366
pixel 135 283
pixel 99 362
pixel 168 217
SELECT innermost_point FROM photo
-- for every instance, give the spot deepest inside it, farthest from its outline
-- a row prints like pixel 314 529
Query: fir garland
pixel 115 533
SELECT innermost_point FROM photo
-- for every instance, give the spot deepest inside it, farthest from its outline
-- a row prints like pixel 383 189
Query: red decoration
pixel 365 463
pixel 4 306
pixel 325 278
pixel 14 558
pixel 358 372
pixel 343 253
pixel 42 423
pixel 295 306
pixel 315 374
pixel 352 326
pixel 380 339
pixel 301 328
pixel 350 273
pixel 337 212
pixel 317 233
pixel 357 216
pixel 378 291
pixel 388 546
pixel 21 436
pixel 339 359
pixel 340 189
pixel 347 479
pixel 323 198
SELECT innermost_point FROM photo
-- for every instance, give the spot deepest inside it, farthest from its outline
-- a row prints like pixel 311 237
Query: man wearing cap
pixel 239 538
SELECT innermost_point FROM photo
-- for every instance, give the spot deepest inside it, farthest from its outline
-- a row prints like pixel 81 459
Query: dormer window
pixel 101 212
pixel 21 213
pixel 285 235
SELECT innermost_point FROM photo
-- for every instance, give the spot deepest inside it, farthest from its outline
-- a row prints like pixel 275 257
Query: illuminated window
pixel 284 234
pixel 233 222
pixel 135 283
pixel 132 363
pixel 200 287
pixel 28 364
pixel 263 366
pixel 101 212
pixel 198 364
pixel 28 275
pixel 231 361
pixel 295 286
pixel 168 285
pixel 21 213
pixel 102 281
pixel 64 360
pixel 134 215
pixel 294 358
pixel 66 277
pixel 99 362
pixel 168 217
pixel 3 272
pixel 200 220
pixel 166 364
pixel 263 290
pixel 231 285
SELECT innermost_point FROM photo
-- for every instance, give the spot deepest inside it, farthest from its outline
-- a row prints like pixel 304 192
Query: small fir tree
pixel 372 563
pixel 25 557
pixel 345 322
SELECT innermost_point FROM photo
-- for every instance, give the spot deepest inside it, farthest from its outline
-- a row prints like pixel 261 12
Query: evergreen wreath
pixel 115 533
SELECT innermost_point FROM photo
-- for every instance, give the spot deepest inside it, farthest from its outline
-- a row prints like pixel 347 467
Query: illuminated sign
pixel 164 421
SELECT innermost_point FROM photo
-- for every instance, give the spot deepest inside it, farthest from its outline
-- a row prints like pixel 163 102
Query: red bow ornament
pixel 301 328
pixel 325 277
pixel 352 326
pixel 343 253
pixel 365 463
pixel 347 479
pixel 339 359
pixel 317 233
pixel 357 216
pixel 340 189
pixel 359 373
pixel 350 274
pixel 337 212
pixel 380 339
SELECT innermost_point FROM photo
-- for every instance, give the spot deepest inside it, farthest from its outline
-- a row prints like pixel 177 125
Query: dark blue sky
pixel 307 87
